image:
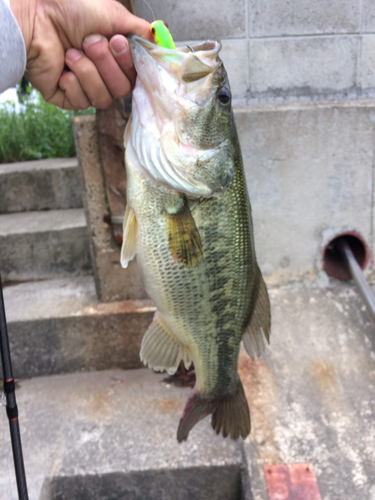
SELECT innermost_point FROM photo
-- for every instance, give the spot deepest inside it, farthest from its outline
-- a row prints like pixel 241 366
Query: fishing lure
pixel 162 35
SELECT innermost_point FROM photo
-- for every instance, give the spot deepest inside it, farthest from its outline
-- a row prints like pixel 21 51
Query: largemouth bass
pixel 188 221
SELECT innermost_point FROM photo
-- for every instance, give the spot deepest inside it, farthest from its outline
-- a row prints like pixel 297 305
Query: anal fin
pixel 129 239
pixel 184 240
pixel 161 350
pixel 259 326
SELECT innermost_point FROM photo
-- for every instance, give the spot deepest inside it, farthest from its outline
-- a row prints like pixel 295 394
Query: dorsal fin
pixel 259 326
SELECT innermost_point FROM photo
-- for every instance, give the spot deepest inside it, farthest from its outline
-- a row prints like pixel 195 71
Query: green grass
pixel 38 130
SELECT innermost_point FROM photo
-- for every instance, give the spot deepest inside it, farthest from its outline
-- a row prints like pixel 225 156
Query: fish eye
pixel 224 96
pixel 153 30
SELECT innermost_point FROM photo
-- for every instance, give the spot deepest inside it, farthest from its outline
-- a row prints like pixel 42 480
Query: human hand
pixel 74 34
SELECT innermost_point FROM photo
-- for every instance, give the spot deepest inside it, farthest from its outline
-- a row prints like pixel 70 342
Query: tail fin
pixel 230 414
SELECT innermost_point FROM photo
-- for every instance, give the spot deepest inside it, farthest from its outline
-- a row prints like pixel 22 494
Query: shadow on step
pixel 195 483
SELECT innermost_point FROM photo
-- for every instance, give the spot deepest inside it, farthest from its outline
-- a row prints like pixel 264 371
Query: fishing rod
pixel 11 404
pixel 363 287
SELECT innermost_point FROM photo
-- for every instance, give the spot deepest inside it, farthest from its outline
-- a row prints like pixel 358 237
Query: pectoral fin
pixel 128 130
pixel 161 350
pixel 183 237
pixel 259 326
pixel 129 239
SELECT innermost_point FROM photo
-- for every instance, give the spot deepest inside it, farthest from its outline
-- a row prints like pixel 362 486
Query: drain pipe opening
pixel 345 257
pixel 334 261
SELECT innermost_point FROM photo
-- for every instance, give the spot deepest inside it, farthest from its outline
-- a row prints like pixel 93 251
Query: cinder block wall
pixel 302 74
pixel 282 50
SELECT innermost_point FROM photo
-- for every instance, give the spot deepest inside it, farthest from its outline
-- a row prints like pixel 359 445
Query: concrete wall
pixel 282 50
pixel 310 175
pixel 300 73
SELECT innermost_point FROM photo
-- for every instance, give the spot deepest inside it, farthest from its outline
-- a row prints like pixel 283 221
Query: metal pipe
pixel 117 219
pixel 114 219
pixel 363 287
pixel 11 404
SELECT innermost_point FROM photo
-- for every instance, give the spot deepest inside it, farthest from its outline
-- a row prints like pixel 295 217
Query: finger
pixel 74 93
pixel 119 46
pixel 97 49
pixel 126 23
pixel 89 78
pixel 45 69
pixel 60 100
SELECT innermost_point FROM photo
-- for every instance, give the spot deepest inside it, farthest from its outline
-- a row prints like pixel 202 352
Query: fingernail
pixel 119 46
pixel 73 55
pixel 91 39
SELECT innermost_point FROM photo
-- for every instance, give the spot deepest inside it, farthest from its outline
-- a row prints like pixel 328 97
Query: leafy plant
pixel 35 129
pixel 24 89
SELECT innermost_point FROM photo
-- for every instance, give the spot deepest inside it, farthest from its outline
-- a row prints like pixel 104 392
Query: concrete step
pixel 40 185
pixel 59 326
pixel 43 245
pixel 112 435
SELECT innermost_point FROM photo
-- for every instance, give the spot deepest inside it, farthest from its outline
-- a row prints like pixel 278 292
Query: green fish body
pixel 191 230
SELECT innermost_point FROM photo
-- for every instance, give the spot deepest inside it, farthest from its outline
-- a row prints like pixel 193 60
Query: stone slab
pixel 196 20
pixel 368 16
pixel 282 17
pixel 41 245
pixel 40 185
pixel 104 428
pixel 367 67
pixel 309 170
pixel 36 222
pixel 302 66
pixel 312 395
pixel 235 56
pixel 59 326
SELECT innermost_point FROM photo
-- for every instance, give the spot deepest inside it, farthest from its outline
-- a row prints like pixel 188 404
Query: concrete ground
pixel 312 395
pixel 111 434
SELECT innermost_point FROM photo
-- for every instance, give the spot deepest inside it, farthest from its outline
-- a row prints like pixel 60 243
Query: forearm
pixel 12 48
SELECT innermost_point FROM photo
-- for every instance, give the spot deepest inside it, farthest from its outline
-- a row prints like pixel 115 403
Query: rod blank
pixel 11 406
pixel 357 275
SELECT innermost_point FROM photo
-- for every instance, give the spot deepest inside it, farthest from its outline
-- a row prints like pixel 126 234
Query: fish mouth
pixel 188 64
pixel 210 47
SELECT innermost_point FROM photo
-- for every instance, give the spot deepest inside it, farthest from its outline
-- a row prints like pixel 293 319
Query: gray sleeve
pixel 12 49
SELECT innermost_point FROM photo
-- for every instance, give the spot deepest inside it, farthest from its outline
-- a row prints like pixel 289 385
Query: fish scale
pixel 196 254
pixel 204 306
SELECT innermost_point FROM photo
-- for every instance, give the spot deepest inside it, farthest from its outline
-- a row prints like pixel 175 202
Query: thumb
pixel 126 23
